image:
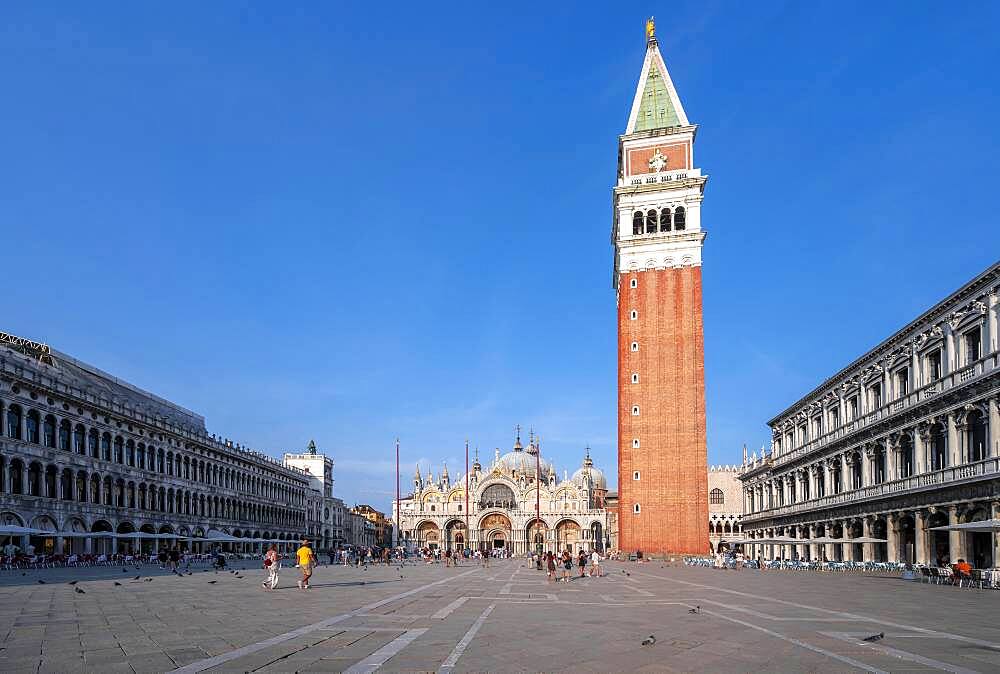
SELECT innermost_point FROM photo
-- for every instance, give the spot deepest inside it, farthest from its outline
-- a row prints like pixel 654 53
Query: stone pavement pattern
pixel 505 618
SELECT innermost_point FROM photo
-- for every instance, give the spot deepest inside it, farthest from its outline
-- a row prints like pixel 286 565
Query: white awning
pixel 980 526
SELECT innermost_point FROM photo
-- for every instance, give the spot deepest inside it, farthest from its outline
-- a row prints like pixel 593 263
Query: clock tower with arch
pixel 657 237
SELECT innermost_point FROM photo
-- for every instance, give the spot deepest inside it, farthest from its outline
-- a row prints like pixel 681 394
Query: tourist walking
pixel 581 562
pixel 567 564
pixel 595 564
pixel 306 560
pixel 550 566
pixel 272 563
pixel 175 559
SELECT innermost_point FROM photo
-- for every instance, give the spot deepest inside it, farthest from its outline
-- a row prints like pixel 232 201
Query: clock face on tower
pixel 658 158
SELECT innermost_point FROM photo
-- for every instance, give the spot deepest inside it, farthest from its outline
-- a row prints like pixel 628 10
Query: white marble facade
pixel 502 502
pixel 904 439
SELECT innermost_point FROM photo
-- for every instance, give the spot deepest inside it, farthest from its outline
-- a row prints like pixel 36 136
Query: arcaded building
pixel 84 451
pixel 904 439
pixel 658 237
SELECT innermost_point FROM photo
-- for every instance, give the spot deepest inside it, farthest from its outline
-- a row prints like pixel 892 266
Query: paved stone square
pixel 505 618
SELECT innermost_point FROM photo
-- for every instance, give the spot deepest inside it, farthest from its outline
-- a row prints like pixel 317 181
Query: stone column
pixel 920 444
pixel 867 549
pixel 954 537
pixel 867 457
pixel 25 487
pixel 949 361
pixel 994 431
pixel 813 547
pixel 891 460
pixel 847 546
pixel 845 473
pixel 892 534
pixel 828 467
pixel 920 537
pixel 828 547
pixel 990 323
pixel 995 514
pixel 916 381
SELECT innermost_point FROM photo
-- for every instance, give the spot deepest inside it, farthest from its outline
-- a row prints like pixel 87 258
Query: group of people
pixel 552 561
pixel 305 560
pixel 171 559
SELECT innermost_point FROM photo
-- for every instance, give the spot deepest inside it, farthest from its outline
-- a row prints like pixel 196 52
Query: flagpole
pixel 398 514
pixel 538 489
pixel 466 493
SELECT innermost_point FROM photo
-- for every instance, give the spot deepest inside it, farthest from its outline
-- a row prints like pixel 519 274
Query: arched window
pixel 31 426
pixel 665 220
pixel 65 431
pixel 14 422
pixel 119 450
pixel 905 457
pixel 976 436
pixel 637 223
pixel 680 219
pixel 498 496
pixel 49 431
pixel 650 222
pixel 716 497
pixel 106 446
pixel 938 442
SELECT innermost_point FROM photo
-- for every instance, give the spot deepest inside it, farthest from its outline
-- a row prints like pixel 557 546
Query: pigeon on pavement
pixel 117 584
pixel 875 637
pixel 212 582
pixel 696 609
pixel 73 582
pixel 79 590
pixel 40 581
pixel 137 578
pixel 147 580
pixel 649 641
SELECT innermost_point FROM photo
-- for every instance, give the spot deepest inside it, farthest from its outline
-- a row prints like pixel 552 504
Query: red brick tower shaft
pixel 662 452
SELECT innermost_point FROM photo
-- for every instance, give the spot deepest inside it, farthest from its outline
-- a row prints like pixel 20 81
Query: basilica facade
pixel 516 503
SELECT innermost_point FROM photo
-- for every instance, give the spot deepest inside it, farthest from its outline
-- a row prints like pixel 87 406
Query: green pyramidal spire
pixel 656 104
pixel 656 111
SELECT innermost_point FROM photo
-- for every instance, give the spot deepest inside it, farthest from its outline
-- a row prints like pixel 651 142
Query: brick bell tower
pixel 657 235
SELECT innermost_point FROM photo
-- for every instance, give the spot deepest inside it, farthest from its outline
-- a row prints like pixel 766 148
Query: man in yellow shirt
pixel 307 560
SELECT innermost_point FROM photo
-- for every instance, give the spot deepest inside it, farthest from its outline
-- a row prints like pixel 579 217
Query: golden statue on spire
pixel 650 29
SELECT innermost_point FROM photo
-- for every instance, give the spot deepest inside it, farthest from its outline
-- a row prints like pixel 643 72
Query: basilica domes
pixel 588 469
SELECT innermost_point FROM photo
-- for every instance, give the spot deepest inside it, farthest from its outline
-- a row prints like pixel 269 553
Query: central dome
pixel 524 463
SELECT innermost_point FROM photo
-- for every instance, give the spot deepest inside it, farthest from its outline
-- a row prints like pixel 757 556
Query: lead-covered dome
pixel 588 469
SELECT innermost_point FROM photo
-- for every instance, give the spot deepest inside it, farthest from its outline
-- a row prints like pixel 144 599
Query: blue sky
pixel 350 223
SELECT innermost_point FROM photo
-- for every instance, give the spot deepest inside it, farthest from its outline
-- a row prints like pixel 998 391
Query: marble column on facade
pixel 949 364
pixel 814 552
pixel 886 383
pixel 845 473
pixel 828 467
pixel 25 487
pixel 955 551
pixel 956 452
pixel 891 458
pixel 867 459
pixel 847 547
pixel 915 378
pixel 867 549
pixel 892 536
pixel 993 405
pixel 920 445
pixel 920 537
pixel 828 553
pixel 995 514
pixel 993 321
